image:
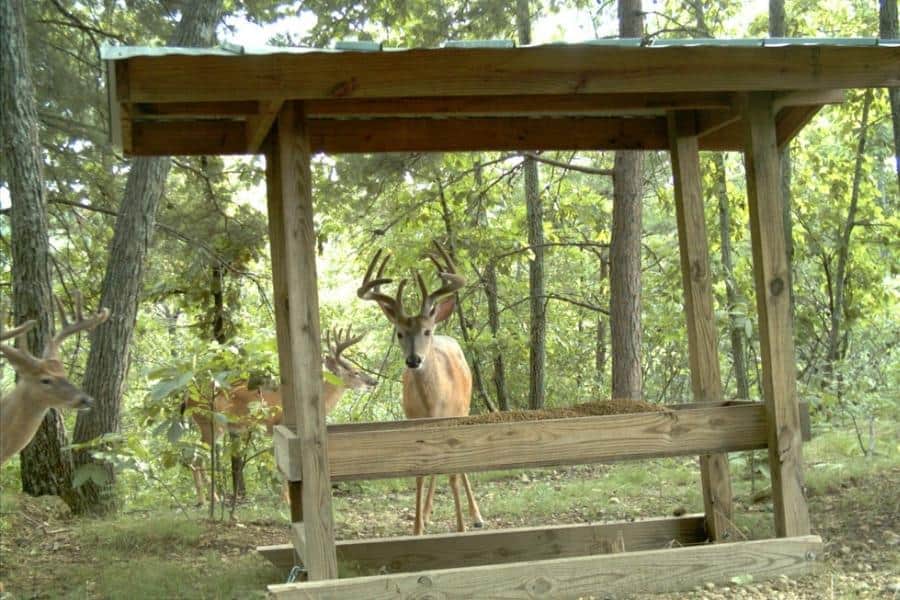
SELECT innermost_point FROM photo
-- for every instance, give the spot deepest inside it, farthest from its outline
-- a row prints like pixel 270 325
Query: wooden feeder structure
pixel 751 96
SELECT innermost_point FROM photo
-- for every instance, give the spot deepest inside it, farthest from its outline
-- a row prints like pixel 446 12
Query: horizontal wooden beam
pixel 650 571
pixel 422 450
pixel 552 70
pixel 448 550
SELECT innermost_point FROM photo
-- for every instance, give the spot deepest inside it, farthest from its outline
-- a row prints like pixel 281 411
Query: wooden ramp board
pixel 441 551
pixel 656 571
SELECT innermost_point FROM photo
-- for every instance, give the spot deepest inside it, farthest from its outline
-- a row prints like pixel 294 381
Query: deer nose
pixel 413 362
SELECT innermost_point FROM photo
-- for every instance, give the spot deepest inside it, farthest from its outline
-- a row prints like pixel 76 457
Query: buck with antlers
pixel 437 381
pixel 42 381
pixel 236 403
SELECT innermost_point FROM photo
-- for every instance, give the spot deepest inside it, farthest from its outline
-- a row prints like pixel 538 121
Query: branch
pixel 568 166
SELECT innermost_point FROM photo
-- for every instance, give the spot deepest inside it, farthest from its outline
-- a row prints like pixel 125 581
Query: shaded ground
pixel 854 505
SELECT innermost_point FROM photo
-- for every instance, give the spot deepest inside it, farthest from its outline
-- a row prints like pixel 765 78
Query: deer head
pixel 414 332
pixel 42 381
pixel 353 378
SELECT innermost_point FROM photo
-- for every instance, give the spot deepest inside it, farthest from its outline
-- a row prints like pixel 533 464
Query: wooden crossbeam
pixel 550 70
pixel 449 550
pixel 381 453
pixel 651 571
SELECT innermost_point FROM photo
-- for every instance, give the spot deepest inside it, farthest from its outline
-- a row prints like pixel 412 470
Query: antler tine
pixel 369 288
pixel 344 341
pixel 447 272
pixel 15 331
pixel 399 299
pixel 79 324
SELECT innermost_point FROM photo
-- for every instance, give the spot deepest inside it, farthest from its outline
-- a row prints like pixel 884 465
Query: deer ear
pixel 388 311
pixel 22 362
pixel 330 364
pixel 443 310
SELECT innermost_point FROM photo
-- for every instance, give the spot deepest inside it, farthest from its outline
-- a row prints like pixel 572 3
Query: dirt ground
pixel 42 547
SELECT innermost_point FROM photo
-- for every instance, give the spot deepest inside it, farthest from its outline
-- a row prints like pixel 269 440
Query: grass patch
pixel 157 535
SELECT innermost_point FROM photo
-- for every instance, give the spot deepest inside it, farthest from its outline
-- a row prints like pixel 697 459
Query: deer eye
pixel 46 380
pixel 399 336
pixel 427 332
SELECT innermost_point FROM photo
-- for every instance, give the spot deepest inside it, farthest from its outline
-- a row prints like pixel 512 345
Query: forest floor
pixel 168 553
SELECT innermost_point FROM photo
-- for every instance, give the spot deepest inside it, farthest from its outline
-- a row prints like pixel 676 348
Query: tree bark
pixel 738 356
pixel 499 377
pixel 108 361
pixel 535 217
pixel 600 355
pixel 887 29
pixel 625 249
pixel 46 468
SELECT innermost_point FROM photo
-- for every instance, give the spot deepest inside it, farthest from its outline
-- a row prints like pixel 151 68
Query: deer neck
pixel 331 395
pixel 20 417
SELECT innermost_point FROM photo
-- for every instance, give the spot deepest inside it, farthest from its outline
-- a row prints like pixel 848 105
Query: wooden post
pixel 706 382
pixel 770 273
pixel 297 320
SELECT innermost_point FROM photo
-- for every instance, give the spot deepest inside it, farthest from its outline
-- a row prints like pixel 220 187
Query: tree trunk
pixel 625 250
pixel 490 289
pixel 535 216
pixel 46 468
pixel 843 251
pixel 738 356
pixel 108 361
pixel 887 29
pixel 778 28
pixel 602 327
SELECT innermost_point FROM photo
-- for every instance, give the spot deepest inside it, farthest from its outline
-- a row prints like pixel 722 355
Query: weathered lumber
pixel 304 391
pixel 448 550
pixel 386 452
pixel 669 570
pixel 771 278
pixel 703 347
pixel 559 69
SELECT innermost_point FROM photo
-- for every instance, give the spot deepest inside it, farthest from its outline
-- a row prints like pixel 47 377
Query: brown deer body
pixel 42 383
pixel 437 381
pixel 237 403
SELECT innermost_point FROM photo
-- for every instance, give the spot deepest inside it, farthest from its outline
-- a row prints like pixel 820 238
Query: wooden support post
pixel 770 272
pixel 297 317
pixel 706 381
pixel 279 295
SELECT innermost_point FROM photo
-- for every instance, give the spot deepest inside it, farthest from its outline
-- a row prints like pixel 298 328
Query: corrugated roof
pixel 109 52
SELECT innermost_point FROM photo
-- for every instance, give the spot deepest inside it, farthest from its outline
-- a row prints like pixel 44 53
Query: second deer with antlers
pixel 42 381
pixel 437 381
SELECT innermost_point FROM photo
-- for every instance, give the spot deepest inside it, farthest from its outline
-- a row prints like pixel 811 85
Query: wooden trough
pixel 288 104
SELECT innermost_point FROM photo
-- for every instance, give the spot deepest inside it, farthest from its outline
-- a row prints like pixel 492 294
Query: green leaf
pixel 332 378
pixel 745 579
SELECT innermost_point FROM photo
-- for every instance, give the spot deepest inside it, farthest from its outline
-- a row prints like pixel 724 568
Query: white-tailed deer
pixel 237 403
pixel 437 381
pixel 42 381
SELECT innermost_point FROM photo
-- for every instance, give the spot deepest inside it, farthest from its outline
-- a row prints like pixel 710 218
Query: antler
pixel 342 341
pixel 369 290
pixel 447 272
pixel 15 331
pixel 69 329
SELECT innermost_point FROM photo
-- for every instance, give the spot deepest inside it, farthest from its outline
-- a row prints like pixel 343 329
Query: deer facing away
pixel 437 381
pixel 42 381
pixel 236 403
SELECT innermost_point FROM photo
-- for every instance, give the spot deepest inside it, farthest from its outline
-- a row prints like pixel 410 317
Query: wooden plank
pixel 415 553
pixel 518 105
pixel 791 120
pixel 557 69
pixel 286 444
pixel 808 98
pixel 488 133
pixel 770 273
pixel 275 207
pixel 703 348
pixel 381 453
pixel 188 138
pixel 652 571
pixel 259 125
pixel 150 111
pixel 449 550
pixel 305 389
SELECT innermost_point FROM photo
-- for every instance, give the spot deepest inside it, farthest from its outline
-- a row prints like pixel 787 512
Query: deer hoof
pixel 478 524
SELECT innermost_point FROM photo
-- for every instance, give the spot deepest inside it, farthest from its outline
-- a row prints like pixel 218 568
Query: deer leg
pixel 199 482
pixel 419 526
pixel 477 521
pixel 429 501
pixel 454 487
